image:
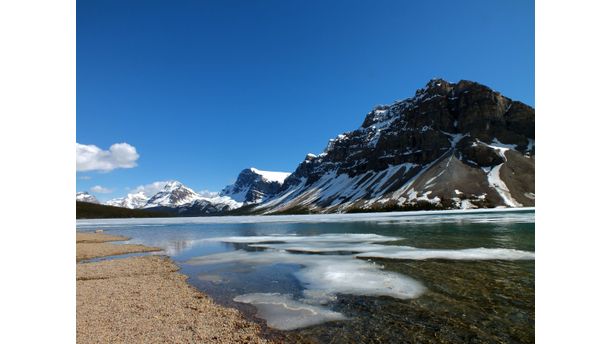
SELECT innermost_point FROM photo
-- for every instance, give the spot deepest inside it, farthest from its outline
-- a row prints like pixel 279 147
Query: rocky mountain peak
pixel 254 185
pixel 173 194
pixel 466 122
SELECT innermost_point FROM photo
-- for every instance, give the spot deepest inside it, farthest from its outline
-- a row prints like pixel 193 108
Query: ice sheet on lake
pixel 367 250
pixel 411 253
pixel 282 312
pixel 323 238
pixel 321 247
pixel 522 215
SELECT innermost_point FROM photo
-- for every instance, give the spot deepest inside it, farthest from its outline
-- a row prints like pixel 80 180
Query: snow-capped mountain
pixel 84 196
pixel 132 201
pixel 206 206
pixel 453 145
pixel 172 195
pixel 255 186
pixel 177 197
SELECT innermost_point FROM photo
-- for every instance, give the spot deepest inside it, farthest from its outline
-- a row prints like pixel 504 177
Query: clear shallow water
pixel 426 277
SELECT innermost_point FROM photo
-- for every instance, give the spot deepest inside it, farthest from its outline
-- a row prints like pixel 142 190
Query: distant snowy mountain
pixel 86 197
pixel 173 194
pixel 207 206
pixel 131 201
pixel 452 145
pixel 255 186
pixel 177 198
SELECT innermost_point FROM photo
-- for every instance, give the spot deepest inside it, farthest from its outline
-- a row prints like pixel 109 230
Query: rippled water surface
pixel 397 277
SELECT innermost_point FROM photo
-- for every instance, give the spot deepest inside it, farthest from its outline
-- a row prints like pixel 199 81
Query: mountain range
pixel 450 146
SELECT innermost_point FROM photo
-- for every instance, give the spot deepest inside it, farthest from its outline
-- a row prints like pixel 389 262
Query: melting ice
pixel 325 276
pixel 284 313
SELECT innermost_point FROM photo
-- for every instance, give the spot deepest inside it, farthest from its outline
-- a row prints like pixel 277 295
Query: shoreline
pixel 272 218
pixel 145 299
pixel 97 245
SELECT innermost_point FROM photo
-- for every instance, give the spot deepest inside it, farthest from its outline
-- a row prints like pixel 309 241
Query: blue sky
pixel 203 89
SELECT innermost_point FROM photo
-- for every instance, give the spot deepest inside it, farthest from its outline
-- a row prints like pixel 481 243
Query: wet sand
pixel 145 300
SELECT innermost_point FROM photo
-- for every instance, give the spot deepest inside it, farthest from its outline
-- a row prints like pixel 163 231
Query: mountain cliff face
pixel 453 145
pixel 255 186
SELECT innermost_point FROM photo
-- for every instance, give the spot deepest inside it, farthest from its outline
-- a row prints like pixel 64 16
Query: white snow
pixel 272 176
pixel 167 196
pixel 226 200
pixel 463 204
pixel 131 201
pixel 86 197
pixel 498 184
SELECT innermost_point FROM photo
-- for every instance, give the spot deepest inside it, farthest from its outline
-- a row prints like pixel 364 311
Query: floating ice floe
pixel 328 275
pixel 282 312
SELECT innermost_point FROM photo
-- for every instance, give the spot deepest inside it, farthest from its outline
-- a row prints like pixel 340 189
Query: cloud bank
pixel 208 193
pixel 92 158
pixel 100 189
pixel 150 189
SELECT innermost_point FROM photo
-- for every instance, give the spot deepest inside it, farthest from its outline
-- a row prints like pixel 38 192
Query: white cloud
pixel 84 177
pixel 100 189
pixel 209 194
pixel 150 189
pixel 92 158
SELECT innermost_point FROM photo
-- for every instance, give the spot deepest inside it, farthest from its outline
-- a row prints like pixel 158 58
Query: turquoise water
pixel 399 277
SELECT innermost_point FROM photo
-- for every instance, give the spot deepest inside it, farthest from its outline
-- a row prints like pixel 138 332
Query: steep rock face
pixel 453 145
pixel 84 196
pixel 255 186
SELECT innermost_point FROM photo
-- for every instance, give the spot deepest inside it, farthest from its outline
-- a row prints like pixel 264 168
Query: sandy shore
pixel 145 300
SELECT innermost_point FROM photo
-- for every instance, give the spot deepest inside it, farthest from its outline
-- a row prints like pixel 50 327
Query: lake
pixel 426 277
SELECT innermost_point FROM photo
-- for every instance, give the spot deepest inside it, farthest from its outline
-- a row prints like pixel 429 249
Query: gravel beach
pixel 145 300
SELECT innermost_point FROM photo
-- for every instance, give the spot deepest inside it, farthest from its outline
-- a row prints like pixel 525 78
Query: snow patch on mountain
pixel 270 176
